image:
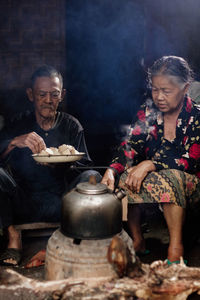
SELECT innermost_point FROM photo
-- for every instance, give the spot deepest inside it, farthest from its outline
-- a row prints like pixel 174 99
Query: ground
pixel 155 233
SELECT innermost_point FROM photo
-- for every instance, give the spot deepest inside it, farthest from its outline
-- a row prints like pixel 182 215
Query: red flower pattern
pixel 123 143
pixel 184 163
pixel 141 115
pixel 165 197
pixel 185 140
pixel 136 130
pixel 194 151
pixel 189 105
pixel 118 167
pixel 129 154
pixel 190 186
pixel 149 187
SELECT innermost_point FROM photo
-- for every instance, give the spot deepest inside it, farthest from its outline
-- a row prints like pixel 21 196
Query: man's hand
pixel 31 140
pixel 137 174
pixel 109 179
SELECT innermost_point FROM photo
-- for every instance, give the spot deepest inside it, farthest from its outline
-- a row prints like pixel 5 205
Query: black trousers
pixel 15 207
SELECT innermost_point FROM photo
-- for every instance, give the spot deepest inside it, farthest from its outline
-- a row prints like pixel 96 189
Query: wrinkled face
pixel 167 94
pixel 46 94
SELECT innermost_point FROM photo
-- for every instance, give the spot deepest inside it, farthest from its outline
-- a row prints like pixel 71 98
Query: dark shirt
pixel 43 185
pixel 146 140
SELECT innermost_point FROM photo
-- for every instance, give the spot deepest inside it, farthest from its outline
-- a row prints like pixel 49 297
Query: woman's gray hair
pixel 172 66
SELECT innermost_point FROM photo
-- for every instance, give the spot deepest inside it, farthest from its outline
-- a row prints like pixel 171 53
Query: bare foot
pixel 10 261
pixel 10 256
pixel 14 241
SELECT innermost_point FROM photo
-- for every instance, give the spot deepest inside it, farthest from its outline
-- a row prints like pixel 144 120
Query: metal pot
pixel 91 211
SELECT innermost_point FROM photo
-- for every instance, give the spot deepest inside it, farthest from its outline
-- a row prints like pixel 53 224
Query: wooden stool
pixel 37 229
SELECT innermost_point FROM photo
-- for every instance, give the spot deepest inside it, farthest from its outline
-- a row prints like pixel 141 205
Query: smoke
pixel 144 128
pixel 104 50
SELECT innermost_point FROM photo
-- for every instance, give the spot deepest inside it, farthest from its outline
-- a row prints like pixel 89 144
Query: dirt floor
pixel 155 233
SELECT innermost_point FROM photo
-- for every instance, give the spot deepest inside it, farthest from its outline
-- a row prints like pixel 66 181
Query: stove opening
pixel 77 241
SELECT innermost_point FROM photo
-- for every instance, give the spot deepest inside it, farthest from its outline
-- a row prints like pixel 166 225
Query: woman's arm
pixel 109 178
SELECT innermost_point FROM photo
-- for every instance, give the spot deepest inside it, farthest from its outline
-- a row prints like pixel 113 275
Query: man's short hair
pixel 46 71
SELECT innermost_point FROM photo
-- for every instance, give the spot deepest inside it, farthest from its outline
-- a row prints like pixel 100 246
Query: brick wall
pixel 31 33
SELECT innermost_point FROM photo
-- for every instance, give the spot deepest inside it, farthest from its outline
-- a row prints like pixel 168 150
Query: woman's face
pixel 167 94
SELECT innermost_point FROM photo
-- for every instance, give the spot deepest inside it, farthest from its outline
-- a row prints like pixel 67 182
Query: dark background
pixel 103 49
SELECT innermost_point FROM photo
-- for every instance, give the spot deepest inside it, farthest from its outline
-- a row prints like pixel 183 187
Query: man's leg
pixel 8 189
pixel 134 223
pixel 14 238
pixel 174 216
pixel 7 193
pixel 12 254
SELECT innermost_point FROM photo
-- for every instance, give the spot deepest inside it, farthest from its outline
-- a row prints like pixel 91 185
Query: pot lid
pixel 91 189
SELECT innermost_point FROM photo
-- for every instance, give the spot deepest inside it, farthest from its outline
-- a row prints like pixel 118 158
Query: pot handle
pixel 120 194
pixel 74 167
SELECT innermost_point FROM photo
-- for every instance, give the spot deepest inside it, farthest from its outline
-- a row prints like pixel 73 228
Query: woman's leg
pixel 134 219
pixel 174 216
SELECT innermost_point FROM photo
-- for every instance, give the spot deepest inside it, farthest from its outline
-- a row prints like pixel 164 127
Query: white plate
pixel 57 158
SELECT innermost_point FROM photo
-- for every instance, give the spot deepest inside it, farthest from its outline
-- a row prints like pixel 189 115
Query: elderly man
pixel 36 192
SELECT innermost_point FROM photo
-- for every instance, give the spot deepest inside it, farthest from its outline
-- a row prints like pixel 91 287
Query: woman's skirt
pixel 165 186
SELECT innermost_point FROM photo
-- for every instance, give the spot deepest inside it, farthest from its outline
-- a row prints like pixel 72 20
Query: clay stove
pixel 91 216
pixel 88 260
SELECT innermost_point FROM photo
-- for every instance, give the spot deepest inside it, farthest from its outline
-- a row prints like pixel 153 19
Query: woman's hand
pixel 109 179
pixel 31 140
pixel 137 174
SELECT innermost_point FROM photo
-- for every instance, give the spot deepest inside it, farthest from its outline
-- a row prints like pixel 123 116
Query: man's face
pixel 46 94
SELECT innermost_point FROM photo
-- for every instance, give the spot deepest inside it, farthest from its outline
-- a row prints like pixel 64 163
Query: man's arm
pixel 31 140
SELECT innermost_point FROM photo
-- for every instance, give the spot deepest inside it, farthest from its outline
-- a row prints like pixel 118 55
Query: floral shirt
pixel 146 141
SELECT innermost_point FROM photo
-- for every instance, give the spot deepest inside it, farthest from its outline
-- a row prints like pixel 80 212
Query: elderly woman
pixel 159 160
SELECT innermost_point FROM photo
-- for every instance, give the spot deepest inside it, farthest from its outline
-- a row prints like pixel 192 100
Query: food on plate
pixel 61 150
pixel 67 149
